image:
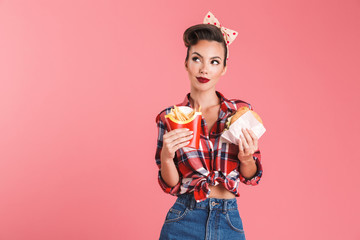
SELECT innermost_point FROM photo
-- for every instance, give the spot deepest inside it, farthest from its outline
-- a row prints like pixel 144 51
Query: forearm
pixel 169 172
pixel 248 168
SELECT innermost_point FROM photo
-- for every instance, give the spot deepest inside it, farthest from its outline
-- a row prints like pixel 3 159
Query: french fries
pixel 180 116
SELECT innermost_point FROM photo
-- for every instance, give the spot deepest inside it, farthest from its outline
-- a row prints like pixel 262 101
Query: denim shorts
pixel 211 219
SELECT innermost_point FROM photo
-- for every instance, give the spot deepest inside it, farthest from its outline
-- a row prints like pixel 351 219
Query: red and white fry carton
pixel 193 124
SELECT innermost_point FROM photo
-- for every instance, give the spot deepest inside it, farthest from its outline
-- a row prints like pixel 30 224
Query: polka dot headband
pixel 229 35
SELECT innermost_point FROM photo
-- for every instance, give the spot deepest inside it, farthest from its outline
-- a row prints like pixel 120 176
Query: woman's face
pixel 205 61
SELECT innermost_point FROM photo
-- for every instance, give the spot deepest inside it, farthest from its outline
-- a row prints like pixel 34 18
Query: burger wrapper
pixel 247 120
pixel 193 125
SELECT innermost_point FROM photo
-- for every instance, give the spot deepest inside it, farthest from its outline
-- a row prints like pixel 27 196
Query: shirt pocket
pixel 233 150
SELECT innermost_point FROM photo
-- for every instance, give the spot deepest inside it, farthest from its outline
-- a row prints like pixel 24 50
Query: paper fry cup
pixel 247 120
pixel 193 124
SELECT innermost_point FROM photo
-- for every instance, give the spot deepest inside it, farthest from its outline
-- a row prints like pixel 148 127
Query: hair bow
pixel 229 35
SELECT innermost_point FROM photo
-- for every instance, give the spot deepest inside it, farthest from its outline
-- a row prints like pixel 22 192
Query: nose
pixel 203 69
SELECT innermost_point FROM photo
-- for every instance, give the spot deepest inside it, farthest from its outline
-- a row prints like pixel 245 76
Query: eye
pixel 217 62
pixel 194 58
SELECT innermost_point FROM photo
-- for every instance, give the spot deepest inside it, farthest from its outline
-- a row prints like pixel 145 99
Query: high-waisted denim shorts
pixel 211 219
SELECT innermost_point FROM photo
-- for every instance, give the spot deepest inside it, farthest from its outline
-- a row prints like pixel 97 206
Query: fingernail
pixel 191 131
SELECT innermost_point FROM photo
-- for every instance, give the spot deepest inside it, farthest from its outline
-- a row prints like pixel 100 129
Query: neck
pixel 205 99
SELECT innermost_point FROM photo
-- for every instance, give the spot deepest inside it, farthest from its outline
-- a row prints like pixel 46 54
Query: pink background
pixel 82 82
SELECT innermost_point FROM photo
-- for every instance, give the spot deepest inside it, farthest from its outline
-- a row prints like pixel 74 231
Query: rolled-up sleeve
pixel 164 186
pixel 254 180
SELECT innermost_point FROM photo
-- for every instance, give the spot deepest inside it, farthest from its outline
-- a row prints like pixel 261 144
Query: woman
pixel 205 180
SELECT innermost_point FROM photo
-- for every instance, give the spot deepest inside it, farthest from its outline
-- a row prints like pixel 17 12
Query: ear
pixel 224 70
pixel 185 63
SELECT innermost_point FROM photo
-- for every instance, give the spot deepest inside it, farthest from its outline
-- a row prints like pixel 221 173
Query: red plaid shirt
pixel 215 162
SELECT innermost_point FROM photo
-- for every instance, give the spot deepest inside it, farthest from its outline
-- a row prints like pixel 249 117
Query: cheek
pixel 193 69
pixel 219 71
pixel 191 65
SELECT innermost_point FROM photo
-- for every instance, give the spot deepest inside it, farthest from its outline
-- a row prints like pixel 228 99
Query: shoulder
pixel 235 103
pixel 238 103
pixel 162 113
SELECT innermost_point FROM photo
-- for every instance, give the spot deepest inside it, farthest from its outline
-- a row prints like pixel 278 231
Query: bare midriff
pixel 219 191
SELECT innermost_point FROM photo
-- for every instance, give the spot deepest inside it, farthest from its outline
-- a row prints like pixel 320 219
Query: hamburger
pixel 238 113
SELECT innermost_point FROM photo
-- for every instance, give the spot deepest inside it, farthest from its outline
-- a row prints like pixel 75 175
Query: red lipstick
pixel 202 79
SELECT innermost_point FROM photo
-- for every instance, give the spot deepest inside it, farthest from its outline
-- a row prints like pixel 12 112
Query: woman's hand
pixel 247 145
pixel 174 140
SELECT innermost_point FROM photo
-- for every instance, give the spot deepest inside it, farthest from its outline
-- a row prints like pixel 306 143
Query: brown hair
pixel 203 32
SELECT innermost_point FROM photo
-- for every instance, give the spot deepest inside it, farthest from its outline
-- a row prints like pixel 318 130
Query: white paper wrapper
pixel 247 120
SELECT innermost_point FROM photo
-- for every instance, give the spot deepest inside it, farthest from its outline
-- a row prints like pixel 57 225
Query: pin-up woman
pixel 206 180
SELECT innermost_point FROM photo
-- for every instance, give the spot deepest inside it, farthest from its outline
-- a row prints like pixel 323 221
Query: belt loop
pixel 225 206
pixel 190 199
pixel 192 204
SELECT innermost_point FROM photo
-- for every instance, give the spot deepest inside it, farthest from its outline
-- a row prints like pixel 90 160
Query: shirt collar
pixel 225 104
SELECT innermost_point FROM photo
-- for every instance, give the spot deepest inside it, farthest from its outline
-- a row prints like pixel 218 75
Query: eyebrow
pixel 202 56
